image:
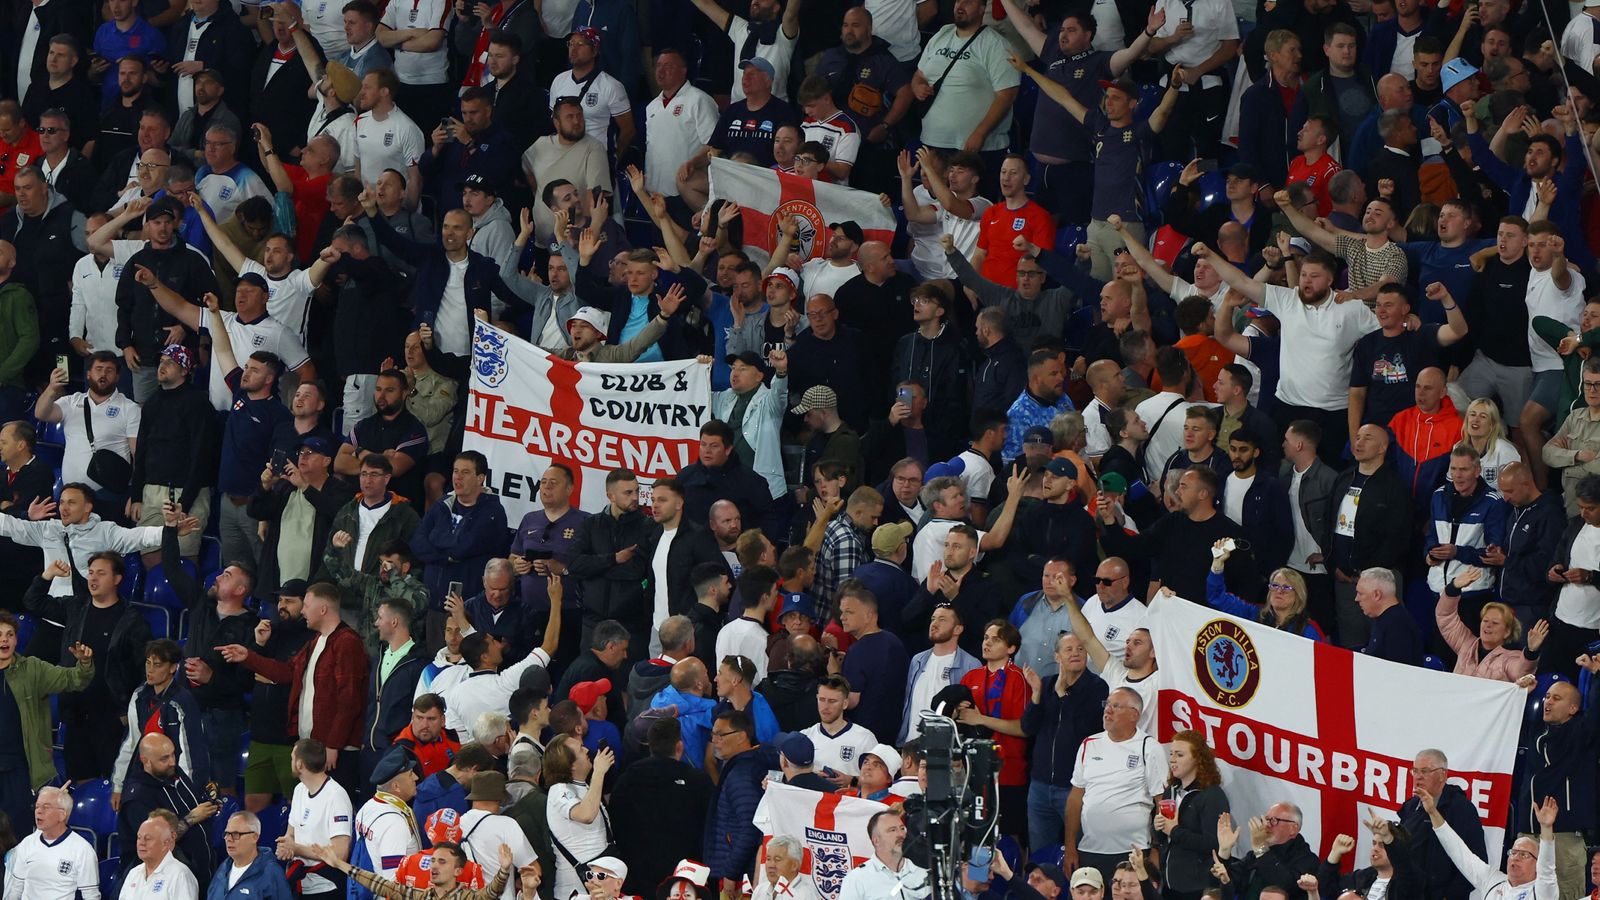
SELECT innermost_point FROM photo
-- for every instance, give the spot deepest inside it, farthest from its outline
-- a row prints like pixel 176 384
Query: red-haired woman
pixel 1186 817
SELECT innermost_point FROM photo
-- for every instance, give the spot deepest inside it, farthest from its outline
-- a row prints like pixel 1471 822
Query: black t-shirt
pixel 12 756
pixel 405 433
pixel 97 627
pixel 1344 523
pixel 1496 308
pixel 741 130
pixel 1387 367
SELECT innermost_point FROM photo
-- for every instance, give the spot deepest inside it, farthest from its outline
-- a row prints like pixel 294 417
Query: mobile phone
pixel 455 588
pixel 280 460
pixel 445 123
pixel 172 496
pixel 533 555
pixel 904 396
pixel 1207 165
pixel 61 361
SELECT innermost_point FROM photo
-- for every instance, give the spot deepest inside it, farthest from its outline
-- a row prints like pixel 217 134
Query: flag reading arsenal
pixel 1331 731
pixel 831 828
pixel 767 197
pixel 528 408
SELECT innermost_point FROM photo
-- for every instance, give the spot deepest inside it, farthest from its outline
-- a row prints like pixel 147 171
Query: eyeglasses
pixel 237 835
pixel 721 734
pixel 1591 385
pixel 1107 704
pixel 808 160
pixel 1428 771
pixel 146 167
pixel 219 143
pixel 1279 586
pixel 1275 821
pixel 49 129
pixel 1030 273
pixel 1521 853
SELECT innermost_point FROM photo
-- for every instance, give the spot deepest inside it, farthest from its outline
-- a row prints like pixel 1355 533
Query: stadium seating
pixel 157 592
pixel 92 815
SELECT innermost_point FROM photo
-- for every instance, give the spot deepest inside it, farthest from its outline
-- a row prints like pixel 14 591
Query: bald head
pixel 158 756
pixel 689 675
pixel 875 261
pixel 1394 92
pixel 1430 389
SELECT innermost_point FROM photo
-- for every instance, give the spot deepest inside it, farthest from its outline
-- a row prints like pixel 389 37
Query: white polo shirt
pixel 318 819
pixel 411 66
pixel 325 22
pixel 388 834
pixel 842 750
pixel 1116 676
pixel 1213 21
pixel 394 142
pixel 603 101
pixel 475 693
pixel 872 880
pixel 265 333
pixel 171 880
pixel 1119 780
pixel 1317 342
pixel 53 870
pixel 115 420
pixel 94 303
pixel 675 130
pixel 288 297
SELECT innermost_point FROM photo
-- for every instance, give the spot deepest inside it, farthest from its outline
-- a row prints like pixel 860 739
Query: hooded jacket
pixel 940 364
pixel 175 714
pixel 457 551
pixel 31 681
pixel 792 696
pixel 645 680
pixel 493 233
pixel 1001 375
pixel 1422 443
pixel 389 702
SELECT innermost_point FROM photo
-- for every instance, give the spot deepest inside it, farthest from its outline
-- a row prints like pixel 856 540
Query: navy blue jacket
pixel 455 552
pixel 493 156
pixel 1383 37
pixel 1480 526
pixel 1516 183
pixel 433 271
pixel 1268 521
pixel 731 838
pixel 1267 142
pixel 389 703
pixel 262 881
pixel 1059 724
pixel 1531 535
pixel 1440 876
pixel 1000 377
pixel 1559 761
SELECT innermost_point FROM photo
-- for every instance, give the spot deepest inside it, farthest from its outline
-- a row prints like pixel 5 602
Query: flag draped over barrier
pixel 832 828
pixel 527 408
pixel 765 196
pixel 1332 731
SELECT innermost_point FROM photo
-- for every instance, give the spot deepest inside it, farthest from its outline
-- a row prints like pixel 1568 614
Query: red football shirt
pixel 999 226
pixel 1316 174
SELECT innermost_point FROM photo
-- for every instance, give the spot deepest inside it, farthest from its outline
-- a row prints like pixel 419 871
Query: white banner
pixel 528 408
pixel 1331 731
pixel 832 828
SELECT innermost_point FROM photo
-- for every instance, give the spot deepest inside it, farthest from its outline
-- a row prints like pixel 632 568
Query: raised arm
pixel 1169 100
pixel 100 241
pixel 915 211
pixel 168 299
pixel 1142 255
pixel 1455 326
pixel 718 16
pixel 219 238
pixel 1223 332
pixel 221 343
pixel 940 189
pixel 269 158
pixel 791 20
pixel 1302 223
pixel 1048 87
pixel 1230 273
pixel 1026 29
pixel 1123 59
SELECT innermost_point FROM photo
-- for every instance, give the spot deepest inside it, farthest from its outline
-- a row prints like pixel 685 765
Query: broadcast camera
pixel 962 804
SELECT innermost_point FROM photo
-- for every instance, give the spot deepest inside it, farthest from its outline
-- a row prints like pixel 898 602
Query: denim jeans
pixel 1047 813
pixel 224 730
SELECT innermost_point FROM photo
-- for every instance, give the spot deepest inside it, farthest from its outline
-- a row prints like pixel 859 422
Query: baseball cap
pixel 748 357
pixel 253 278
pixel 1300 243
pixel 1113 483
pixel 476 182
pixel 1052 872
pixel 294 587
pixel 1124 84
pixel 1061 467
pixel 1038 434
pixel 165 206
pixel 800 603
pixel 443 824
pixel 1458 70
pixel 611 864
pixel 600 319
pixel 1257 312
pixel 179 354
pixel 888 538
pixel 756 62
pixel 1246 172
pixel 399 759
pixel 587 693
pixel 889 756
pixel 952 468
pixel 696 873
pixel 798 749
pixel 318 444
pixel 592 35
pixel 818 396
pixel 851 230
pixel 787 274
pixel 1088 876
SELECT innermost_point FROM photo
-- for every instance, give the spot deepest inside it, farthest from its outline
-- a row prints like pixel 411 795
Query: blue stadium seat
pixel 210 555
pixel 110 876
pixel 1052 854
pixel 1535 709
pixel 156 590
pixel 52 433
pixel 1433 662
pixel 229 806
pixel 159 617
pixel 1149 99
pixel 52 454
pixel 132 586
pixel 92 812
pixel 1068 237
pixel 274 822
pixel 1159 180
pixel 26 626
pixel 1213 188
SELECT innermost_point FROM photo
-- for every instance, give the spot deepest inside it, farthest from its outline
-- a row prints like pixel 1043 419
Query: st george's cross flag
pixel 1332 731
pixel 832 829
pixel 766 196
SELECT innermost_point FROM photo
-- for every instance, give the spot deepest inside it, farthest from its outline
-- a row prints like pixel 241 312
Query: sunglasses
pixel 1100 580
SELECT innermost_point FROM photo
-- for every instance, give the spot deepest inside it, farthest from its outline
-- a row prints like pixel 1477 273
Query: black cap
pixel 399 759
pixel 1246 172
pixel 294 587
pixel 254 278
pixel 476 182
pixel 851 230
pixel 165 206
pixel 748 357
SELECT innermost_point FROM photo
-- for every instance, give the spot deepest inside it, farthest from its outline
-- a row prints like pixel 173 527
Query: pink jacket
pixel 1502 663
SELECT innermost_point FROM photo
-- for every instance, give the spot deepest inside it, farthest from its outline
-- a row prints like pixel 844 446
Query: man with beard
pixel 606 559
pixel 1318 337
pixel 159 783
pixel 571 154
pixel 392 432
pixel 279 636
pixel 836 266
pixel 1542 162
pixel 217 616
pixel 552 298
pixel 1373 259
pixel 955 580
pixel 1258 502
pixel 386 138
pixel 111 417
pixel 1039 403
pixel 372 524
pixel 136 123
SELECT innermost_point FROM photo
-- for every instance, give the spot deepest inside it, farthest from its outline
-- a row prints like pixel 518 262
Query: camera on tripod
pixel 962 804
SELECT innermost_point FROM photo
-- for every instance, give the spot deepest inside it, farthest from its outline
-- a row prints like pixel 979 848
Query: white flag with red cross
pixel 766 196
pixel 1331 731
pixel 831 828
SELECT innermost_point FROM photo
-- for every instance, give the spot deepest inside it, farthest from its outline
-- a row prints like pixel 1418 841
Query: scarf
pixel 759 33
pixel 480 49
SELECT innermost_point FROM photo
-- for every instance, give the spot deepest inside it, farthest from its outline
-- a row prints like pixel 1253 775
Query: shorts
pixel 1547 390
pixel 1484 377
pixel 150 514
pixel 269 770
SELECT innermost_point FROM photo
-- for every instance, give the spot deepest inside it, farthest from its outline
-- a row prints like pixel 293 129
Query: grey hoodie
pixel 86 539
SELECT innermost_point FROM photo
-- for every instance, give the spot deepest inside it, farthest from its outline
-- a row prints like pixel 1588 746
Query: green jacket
pixel 362 592
pixel 397 524
pixel 19 331
pixel 32 681
pixel 1553 331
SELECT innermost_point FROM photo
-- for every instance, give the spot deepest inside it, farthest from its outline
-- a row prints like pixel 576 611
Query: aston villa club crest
pixel 1226 663
pixel 489 354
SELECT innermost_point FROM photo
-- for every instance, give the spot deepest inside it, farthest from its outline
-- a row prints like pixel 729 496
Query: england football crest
pixel 489 355
pixel 830 860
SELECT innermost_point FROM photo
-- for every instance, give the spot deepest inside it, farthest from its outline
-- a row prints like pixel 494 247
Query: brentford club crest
pixel 1226 663
pixel 808 221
